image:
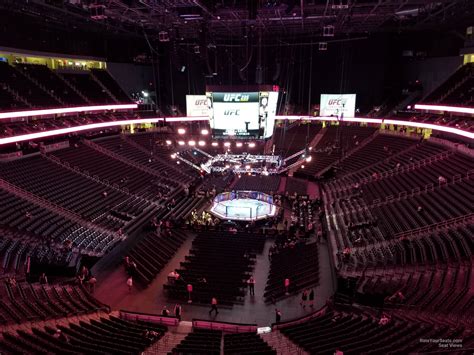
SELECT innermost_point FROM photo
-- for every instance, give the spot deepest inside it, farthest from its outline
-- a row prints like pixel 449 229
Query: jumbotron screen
pixel 242 114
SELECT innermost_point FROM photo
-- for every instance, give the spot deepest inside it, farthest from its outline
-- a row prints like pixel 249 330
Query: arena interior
pixel 236 177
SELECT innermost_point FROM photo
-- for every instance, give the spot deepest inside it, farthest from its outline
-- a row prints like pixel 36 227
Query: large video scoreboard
pixel 242 114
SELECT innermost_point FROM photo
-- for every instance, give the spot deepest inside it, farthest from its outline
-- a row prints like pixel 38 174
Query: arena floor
pixel 112 290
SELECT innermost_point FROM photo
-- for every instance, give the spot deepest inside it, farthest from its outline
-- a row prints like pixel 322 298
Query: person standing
pixel 43 280
pixel 311 298
pixel 251 283
pixel 129 283
pixel 304 297
pixel 177 311
pixel 214 306
pixel 277 315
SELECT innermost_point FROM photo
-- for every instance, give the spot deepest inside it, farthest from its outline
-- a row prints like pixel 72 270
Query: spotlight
pixel 173 156
pixel 308 159
pixel 202 143
pixel 181 142
pixel 239 144
pixel 181 131
pixel 192 143
pixel 247 167
pixel 227 144
pixel 204 132
pixel 168 142
pixel 215 144
pixel 252 145
pixel 302 166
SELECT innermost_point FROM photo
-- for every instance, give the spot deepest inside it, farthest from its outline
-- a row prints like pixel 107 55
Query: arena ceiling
pixel 222 20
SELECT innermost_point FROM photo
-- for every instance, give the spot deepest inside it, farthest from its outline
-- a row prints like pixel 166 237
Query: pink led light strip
pixel 32 136
pixel 55 132
pixel 453 130
pixel 457 109
pixel 55 111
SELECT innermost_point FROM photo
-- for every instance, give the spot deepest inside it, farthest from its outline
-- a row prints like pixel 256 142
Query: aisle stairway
pixel 171 339
pixel 282 344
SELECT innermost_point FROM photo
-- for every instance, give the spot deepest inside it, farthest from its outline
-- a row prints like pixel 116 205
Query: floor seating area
pixel 225 260
pixel 359 333
pixel 303 273
pixel 153 252
pixel 108 335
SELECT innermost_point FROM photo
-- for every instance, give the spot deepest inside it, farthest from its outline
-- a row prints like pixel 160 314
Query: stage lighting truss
pixel 340 4
pixel 244 163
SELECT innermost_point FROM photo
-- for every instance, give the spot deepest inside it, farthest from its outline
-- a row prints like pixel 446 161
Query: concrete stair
pixel 282 344
pixel 172 337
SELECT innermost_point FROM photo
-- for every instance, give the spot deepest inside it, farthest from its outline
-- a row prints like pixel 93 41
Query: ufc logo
pixel 336 102
pixel 236 98
pixel 232 113
pixel 200 102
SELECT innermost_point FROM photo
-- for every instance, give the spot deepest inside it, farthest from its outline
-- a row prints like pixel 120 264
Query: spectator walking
pixel 214 306
pixel 130 283
pixel 177 311
pixel 251 283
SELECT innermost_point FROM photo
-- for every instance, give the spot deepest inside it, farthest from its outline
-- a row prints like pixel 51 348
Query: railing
pixel 301 320
pixel 436 226
pixel 152 318
pixel 226 327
